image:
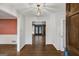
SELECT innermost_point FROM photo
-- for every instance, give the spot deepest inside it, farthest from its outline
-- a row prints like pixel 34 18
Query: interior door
pixel 72 23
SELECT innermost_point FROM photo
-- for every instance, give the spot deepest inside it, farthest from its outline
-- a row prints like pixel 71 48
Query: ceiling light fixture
pixel 38 10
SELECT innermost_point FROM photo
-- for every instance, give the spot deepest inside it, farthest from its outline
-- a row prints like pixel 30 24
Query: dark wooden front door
pixel 72 23
pixel 39 29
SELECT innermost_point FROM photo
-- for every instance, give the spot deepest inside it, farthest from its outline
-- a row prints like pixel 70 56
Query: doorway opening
pixel 39 34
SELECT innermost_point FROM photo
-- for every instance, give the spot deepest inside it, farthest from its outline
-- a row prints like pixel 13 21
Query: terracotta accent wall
pixel 8 26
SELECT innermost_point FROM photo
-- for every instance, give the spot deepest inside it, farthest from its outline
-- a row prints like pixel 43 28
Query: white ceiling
pixel 4 15
pixel 31 8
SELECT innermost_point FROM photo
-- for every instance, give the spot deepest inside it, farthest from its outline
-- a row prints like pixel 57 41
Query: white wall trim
pixel 18 34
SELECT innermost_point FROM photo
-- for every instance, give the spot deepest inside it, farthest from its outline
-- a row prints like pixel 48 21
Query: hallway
pixel 38 48
pixel 35 29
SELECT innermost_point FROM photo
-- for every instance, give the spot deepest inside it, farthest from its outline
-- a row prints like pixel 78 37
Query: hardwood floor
pixel 38 41
pixel 39 48
pixel 48 50
pixel 29 50
pixel 8 50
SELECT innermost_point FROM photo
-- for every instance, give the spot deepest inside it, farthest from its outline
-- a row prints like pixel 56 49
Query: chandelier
pixel 38 10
